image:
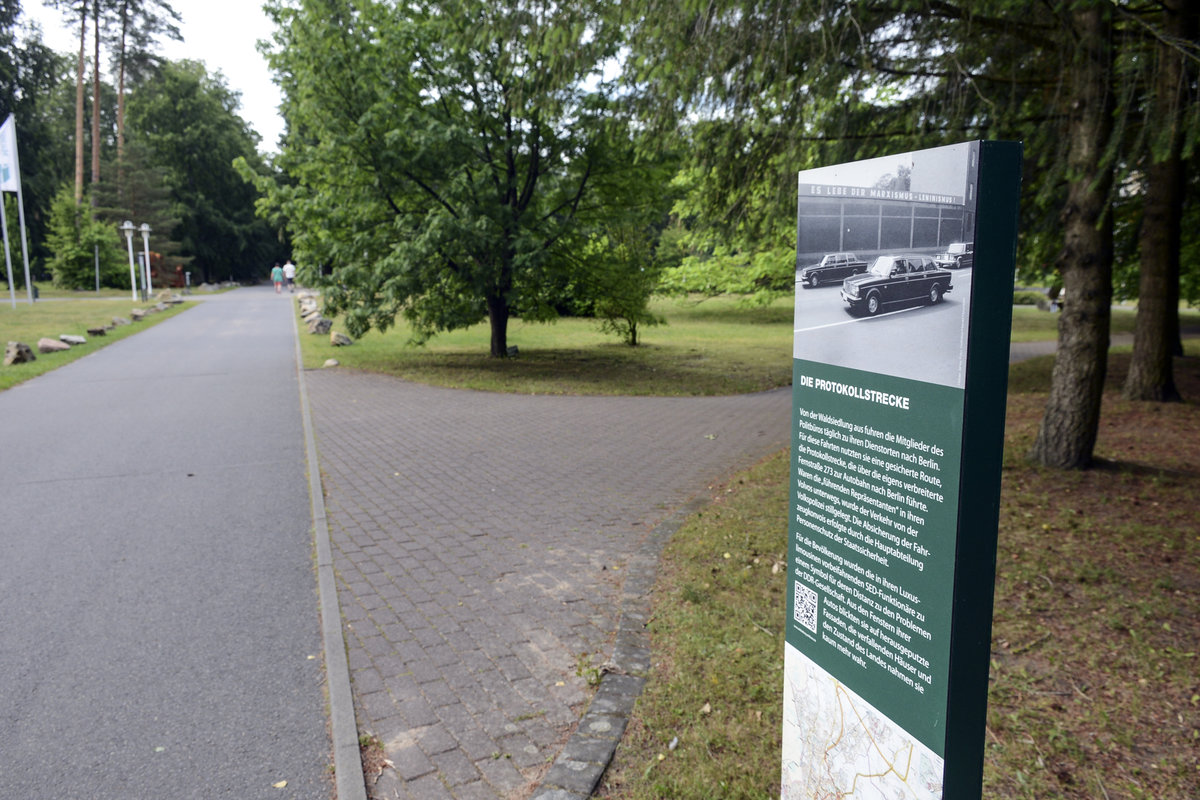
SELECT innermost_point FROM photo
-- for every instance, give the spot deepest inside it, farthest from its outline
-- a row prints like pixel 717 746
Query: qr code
pixel 805 610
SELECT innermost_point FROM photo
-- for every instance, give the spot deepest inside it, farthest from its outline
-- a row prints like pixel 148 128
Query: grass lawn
pixel 1094 690
pixel 49 318
pixel 48 292
pixel 712 347
pixel 1033 325
pixel 715 346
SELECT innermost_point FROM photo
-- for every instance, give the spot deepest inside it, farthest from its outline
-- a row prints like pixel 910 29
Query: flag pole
pixel 12 292
pixel 21 217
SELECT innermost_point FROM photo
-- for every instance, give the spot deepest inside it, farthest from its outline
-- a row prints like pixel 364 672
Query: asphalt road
pixel 896 342
pixel 159 630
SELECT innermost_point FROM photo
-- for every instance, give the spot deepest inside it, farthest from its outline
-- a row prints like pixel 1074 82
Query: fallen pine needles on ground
pixel 1095 674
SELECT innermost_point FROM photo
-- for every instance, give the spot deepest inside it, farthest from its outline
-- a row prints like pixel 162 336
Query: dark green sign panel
pixel 899 376
pixel 873 519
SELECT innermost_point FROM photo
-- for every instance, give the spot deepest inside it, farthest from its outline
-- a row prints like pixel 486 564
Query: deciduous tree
pixel 441 156
pixel 77 242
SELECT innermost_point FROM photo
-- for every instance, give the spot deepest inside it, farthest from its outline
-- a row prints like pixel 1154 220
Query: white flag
pixel 10 178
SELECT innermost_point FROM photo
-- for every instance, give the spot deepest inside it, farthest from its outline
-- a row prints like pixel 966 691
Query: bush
pixel 76 240
pixel 1029 297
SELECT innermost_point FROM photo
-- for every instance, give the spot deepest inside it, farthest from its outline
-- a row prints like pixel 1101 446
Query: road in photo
pixel 159 632
pixel 897 342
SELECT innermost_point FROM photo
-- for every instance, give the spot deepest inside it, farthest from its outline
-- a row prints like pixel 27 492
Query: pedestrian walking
pixel 289 274
pixel 277 277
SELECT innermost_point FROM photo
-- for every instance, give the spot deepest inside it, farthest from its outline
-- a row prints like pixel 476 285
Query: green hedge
pixel 1028 297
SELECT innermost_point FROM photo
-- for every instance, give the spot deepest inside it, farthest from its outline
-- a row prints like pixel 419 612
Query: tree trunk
pixel 124 20
pixel 1067 436
pixel 498 311
pixel 1151 370
pixel 121 120
pixel 79 105
pixel 95 101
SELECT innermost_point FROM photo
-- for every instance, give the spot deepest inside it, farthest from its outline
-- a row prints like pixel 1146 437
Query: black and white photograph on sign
pixel 884 260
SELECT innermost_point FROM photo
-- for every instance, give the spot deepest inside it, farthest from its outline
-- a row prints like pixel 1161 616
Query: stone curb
pixel 580 765
pixel 347 760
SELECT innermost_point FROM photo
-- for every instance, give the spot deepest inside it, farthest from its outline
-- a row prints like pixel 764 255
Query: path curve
pixel 482 544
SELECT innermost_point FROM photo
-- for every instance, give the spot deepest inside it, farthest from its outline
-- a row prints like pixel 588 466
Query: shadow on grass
pixel 607 369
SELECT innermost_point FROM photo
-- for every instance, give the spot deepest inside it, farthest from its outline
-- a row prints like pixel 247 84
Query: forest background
pixel 461 161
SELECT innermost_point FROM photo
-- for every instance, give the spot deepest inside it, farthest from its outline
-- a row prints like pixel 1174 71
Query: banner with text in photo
pixel 900 364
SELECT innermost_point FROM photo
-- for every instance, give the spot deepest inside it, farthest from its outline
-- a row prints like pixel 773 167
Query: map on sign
pixel 835 744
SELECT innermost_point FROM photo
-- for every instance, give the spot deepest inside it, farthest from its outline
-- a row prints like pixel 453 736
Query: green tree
pixel 773 87
pixel 134 28
pixel 77 12
pixel 35 85
pixel 188 122
pixel 76 240
pixel 1071 421
pixel 143 196
pixel 443 155
pixel 1174 108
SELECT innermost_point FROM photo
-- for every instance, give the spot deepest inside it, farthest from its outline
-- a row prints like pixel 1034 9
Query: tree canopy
pixel 762 89
pixel 443 158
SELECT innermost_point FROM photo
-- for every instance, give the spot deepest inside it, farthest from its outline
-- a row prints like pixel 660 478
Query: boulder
pixel 96 331
pixel 121 321
pixel 320 325
pixel 18 353
pixel 71 338
pixel 339 339
pixel 331 362
pixel 137 314
pixel 45 345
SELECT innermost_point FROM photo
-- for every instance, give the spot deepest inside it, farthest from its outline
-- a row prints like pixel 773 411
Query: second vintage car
pixel 958 254
pixel 831 268
pixel 894 280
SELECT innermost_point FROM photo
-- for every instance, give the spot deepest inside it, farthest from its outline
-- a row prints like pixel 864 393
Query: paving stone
pixel 429 787
pixel 479 790
pixel 410 763
pixel 436 739
pixel 503 776
pixel 455 768
pixel 476 573
pixel 367 681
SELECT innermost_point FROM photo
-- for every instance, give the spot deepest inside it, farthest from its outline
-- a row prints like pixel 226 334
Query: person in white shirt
pixel 289 274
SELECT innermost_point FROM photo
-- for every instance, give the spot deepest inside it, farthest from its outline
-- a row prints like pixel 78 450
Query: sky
pixel 222 34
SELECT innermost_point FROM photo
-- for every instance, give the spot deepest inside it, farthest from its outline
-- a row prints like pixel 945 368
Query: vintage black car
pixel 958 254
pixel 831 268
pixel 894 280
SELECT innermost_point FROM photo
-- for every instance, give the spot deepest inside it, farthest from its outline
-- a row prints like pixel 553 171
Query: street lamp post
pixel 145 229
pixel 127 229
